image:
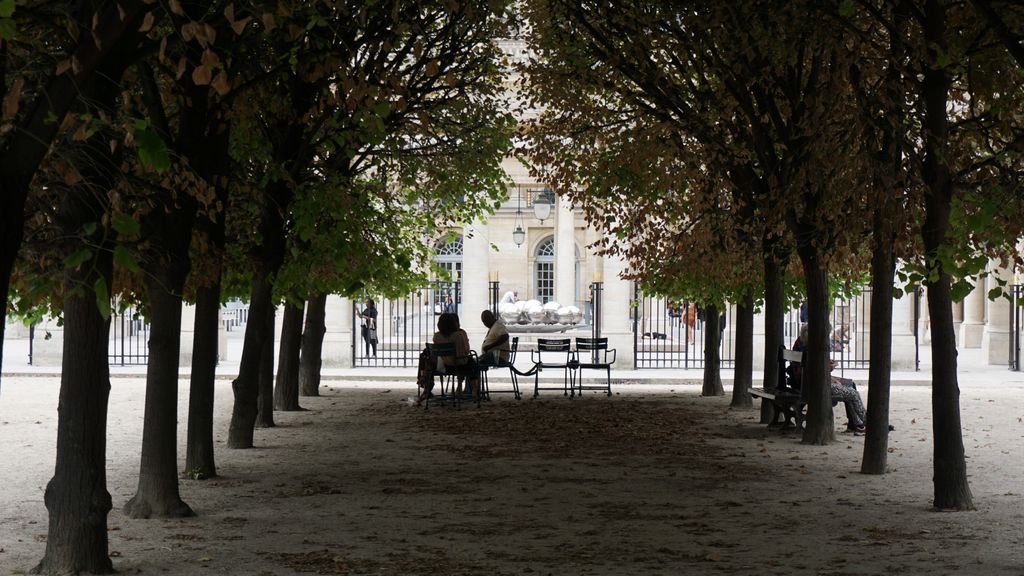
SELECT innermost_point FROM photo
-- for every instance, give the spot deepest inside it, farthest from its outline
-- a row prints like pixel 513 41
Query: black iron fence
pixel 669 334
pixel 403 325
pixel 129 338
pixel 850 333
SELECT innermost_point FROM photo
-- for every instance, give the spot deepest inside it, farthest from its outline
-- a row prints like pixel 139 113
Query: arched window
pixel 447 292
pixel 448 255
pixel 544 270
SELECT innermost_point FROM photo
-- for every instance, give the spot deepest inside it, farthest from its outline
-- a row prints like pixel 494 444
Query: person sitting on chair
pixel 495 349
pixel 449 331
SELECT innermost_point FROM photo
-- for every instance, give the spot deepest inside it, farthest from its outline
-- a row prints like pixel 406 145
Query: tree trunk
pixel 312 346
pixel 883 265
pixel 157 493
pixel 76 497
pixel 712 363
pixel 265 402
pixel 286 390
pixel 246 385
pixel 774 301
pixel 883 269
pixel 952 491
pixel 819 427
pixel 743 373
pixel 199 456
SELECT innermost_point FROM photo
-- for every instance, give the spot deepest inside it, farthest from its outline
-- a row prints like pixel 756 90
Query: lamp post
pixel 518 234
pixel 493 284
pixel 542 204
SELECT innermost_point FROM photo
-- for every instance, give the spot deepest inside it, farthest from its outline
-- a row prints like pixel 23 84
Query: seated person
pixel 845 390
pixel 450 331
pixel 495 350
pixel 793 371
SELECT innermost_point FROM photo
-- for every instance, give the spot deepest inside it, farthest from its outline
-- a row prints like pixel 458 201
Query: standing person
pixel 368 318
pixel 691 321
pixel 495 350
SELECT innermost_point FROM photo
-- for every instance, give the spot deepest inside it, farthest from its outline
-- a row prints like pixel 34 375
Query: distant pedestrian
pixel 368 319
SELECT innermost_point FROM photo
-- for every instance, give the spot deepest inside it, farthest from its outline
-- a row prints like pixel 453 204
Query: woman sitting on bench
pixel 845 390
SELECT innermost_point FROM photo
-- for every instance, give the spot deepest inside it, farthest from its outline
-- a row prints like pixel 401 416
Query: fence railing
pixel 403 325
pixel 671 334
pixel 129 338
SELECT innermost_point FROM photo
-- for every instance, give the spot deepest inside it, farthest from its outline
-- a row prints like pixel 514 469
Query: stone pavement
pixel 972 371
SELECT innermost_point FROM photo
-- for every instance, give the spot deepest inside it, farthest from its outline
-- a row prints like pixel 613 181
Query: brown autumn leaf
pixel 210 58
pixel 147 22
pixel 202 74
pixel 13 98
pixel 239 25
pixel 220 84
pixel 269 22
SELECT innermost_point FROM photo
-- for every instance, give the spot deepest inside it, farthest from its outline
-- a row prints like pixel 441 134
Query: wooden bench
pixel 785 400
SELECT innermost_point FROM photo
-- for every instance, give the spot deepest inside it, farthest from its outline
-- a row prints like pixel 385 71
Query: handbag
pixel 371 334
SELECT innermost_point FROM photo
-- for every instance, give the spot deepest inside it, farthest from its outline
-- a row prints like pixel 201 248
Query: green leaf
pixel 847 8
pixel 8 30
pixel 124 258
pixel 78 258
pixel 7 8
pixel 89 228
pixel 959 290
pixel 151 148
pixel 125 225
pixel 995 293
pixel 102 297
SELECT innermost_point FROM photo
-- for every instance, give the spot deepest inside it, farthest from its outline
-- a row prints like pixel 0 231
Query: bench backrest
pixel 440 352
pixel 790 357
pixel 553 351
pixel 591 344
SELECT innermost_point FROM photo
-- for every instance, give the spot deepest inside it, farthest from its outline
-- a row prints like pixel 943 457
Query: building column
pixel 475 275
pixel 973 325
pixel 565 253
pixel 615 310
pixel 222 337
pixel 958 320
pixel 187 334
pixel 904 347
pixel 339 317
pixel 759 336
pixel 995 340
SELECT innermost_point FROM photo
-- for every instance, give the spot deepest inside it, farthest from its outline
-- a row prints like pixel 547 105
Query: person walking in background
pixel 368 319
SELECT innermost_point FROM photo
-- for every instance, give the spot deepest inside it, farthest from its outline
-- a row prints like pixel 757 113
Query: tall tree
pixel 37 95
pixel 410 115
